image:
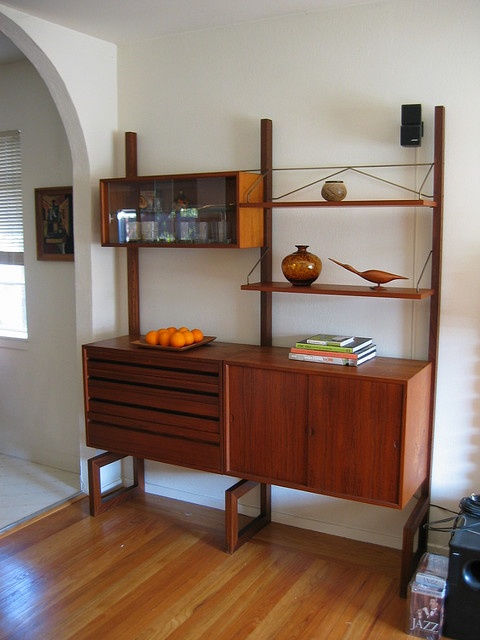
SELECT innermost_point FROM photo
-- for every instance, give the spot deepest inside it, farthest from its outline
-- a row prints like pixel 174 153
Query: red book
pixel 330 354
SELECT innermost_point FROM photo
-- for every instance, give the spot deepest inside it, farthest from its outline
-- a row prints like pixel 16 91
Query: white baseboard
pixel 282 518
pixel 332 529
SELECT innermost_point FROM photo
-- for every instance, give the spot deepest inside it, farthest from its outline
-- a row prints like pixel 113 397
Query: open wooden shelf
pixel 342 290
pixel 343 203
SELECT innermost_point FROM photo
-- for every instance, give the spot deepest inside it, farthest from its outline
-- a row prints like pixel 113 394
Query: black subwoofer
pixel 462 607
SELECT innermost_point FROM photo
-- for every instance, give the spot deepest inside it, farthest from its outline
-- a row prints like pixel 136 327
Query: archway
pixel 81 180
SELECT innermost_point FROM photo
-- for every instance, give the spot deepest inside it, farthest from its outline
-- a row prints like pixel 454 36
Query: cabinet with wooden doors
pixel 358 434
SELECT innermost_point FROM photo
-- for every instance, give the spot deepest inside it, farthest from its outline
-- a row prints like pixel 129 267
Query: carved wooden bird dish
pixel 372 275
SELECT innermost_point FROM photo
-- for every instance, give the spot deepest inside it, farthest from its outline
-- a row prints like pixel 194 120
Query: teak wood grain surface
pixel 155 568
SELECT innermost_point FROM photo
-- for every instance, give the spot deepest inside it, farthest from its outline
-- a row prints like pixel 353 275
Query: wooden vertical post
pixel 133 280
pixel 131 154
pixel 266 264
pixel 420 514
pixel 437 230
pixel 133 277
pixel 436 278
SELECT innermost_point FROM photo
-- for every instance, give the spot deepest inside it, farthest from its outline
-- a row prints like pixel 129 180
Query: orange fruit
pixel 183 329
pixel 172 330
pixel 189 337
pixel 177 339
pixel 163 337
pixel 197 335
pixel 151 337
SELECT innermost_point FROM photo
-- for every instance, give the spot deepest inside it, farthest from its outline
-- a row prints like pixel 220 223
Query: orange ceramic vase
pixel 301 268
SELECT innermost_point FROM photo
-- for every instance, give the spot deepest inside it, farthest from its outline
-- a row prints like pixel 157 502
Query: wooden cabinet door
pixel 266 422
pixel 356 436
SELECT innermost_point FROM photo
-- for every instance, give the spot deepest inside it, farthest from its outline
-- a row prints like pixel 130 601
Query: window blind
pixel 11 214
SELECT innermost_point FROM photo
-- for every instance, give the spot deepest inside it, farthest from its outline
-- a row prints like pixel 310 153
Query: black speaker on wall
pixel 411 130
pixel 462 607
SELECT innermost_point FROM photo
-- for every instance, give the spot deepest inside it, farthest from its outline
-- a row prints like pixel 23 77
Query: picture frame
pixel 54 223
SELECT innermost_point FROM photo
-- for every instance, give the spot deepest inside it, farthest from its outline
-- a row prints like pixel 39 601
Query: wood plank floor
pixel 154 568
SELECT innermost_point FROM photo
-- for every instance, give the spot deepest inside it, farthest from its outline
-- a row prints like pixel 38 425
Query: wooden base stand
pixel 100 503
pixel 235 537
pixel 410 557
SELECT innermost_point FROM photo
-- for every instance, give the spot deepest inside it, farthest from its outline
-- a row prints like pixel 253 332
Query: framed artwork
pixel 54 221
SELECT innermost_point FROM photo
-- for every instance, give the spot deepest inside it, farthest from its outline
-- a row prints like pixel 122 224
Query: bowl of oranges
pixel 174 339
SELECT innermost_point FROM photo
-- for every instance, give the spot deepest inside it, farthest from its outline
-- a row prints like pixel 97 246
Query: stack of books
pixel 349 351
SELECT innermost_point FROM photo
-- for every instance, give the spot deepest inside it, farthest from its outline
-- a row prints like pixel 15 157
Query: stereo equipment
pixel 411 130
pixel 462 607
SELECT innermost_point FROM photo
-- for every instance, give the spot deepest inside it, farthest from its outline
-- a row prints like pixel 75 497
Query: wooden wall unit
pixel 361 433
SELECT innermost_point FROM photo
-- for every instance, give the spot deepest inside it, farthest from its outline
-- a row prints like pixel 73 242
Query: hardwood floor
pixel 154 568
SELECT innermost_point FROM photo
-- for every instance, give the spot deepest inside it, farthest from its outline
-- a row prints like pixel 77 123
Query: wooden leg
pixel 410 557
pixel 100 503
pixel 234 537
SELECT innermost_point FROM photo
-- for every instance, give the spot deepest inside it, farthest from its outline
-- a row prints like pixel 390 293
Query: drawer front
pixel 160 410
pixel 153 398
pixel 154 446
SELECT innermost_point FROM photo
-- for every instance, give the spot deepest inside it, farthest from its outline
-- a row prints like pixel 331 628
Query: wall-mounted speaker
pixel 411 130
pixel 462 607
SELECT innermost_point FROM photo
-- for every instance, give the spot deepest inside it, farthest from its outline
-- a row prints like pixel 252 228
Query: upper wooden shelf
pixel 342 290
pixel 342 203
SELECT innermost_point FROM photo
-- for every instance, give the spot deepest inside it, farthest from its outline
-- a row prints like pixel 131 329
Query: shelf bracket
pixel 262 255
pixel 423 270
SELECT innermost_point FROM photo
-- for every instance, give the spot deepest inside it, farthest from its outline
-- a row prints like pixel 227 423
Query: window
pixel 13 317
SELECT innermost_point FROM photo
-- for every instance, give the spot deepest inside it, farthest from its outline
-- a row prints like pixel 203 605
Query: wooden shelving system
pixel 220 396
pixel 419 515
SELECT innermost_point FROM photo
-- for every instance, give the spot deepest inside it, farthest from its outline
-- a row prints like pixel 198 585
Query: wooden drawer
pixel 185 452
pixel 155 406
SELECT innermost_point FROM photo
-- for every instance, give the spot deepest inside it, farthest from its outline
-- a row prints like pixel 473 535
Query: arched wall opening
pixel 80 75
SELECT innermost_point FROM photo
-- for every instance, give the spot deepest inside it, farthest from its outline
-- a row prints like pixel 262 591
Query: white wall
pixel 38 408
pixel 80 73
pixel 333 83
